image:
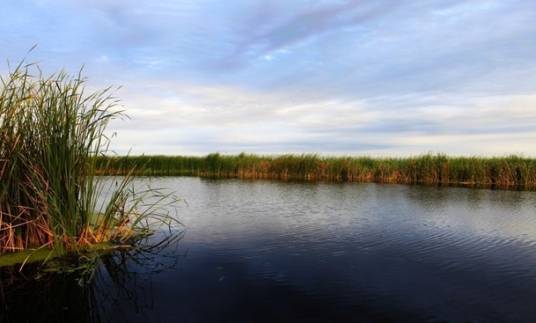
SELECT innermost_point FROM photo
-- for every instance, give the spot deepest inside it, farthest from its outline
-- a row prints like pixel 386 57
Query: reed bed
pixel 51 133
pixel 500 172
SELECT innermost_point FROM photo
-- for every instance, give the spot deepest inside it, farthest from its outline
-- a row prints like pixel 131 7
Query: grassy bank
pixel 500 172
pixel 51 132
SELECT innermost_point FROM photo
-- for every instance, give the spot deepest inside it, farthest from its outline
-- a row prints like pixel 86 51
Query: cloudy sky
pixel 378 77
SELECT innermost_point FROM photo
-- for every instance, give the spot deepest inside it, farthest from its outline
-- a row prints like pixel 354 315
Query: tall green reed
pixel 51 133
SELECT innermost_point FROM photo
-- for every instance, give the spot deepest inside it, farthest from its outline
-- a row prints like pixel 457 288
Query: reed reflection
pixel 92 288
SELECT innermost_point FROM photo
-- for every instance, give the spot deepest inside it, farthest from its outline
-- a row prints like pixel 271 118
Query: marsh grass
pixel 511 172
pixel 51 133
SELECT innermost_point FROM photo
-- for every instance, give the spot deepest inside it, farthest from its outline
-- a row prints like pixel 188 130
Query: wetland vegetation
pixel 512 172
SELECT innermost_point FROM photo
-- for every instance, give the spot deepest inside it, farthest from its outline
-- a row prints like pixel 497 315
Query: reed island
pixel 51 200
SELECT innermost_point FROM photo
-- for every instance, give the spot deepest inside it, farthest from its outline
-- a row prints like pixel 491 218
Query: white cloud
pixel 178 118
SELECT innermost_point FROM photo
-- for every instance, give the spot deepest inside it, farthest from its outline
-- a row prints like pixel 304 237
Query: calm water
pixel 298 252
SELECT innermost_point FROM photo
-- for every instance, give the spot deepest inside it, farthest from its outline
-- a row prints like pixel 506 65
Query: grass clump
pixel 51 133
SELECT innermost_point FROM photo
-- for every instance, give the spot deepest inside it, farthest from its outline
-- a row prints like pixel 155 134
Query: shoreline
pixel 507 173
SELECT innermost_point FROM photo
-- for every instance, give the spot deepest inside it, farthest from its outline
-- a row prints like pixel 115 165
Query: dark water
pixel 296 252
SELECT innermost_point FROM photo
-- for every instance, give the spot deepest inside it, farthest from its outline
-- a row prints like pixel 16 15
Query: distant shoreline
pixel 512 172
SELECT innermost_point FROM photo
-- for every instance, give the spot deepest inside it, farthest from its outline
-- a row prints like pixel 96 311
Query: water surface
pixel 261 251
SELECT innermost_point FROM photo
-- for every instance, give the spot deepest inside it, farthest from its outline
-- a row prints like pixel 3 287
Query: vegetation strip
pixel 45 254
pixel 499 172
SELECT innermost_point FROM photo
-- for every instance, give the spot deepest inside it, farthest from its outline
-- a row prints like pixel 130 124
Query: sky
pixel 353 77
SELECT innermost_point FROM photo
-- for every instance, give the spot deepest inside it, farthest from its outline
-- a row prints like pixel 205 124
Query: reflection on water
pixel 95 289
pixel 270 252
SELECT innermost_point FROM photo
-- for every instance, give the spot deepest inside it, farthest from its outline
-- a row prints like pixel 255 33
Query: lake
pixel 264 251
